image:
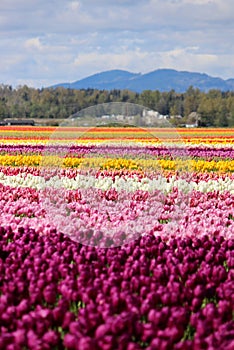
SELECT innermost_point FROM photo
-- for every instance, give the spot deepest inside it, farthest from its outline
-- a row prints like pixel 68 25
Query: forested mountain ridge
pixel 214 108
pixel 160 79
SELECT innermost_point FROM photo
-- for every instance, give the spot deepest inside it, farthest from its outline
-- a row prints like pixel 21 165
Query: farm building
pixel 18 122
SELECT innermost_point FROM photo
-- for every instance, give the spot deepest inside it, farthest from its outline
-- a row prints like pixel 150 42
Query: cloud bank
pixel 45 42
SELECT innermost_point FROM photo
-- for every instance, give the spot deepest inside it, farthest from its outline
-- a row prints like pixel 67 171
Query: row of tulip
pixel 168 142
pixel 43 135
pixel 133 151
pixel 196 165
pixel 72 173
pixel 110 213
pixel 149 294
pixel 130 183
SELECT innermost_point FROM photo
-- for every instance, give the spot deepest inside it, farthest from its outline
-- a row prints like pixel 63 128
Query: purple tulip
pixel 20 336
pixel 70 341
pixel 86 343
pixel 133 346
pixel 51 338
pixel 67 319
pixel 107 342
pixel 33 341
pixel 102 331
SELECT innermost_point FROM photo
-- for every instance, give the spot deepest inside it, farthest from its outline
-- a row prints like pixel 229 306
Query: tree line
pixel 213 108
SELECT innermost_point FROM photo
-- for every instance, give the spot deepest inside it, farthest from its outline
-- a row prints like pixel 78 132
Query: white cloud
pixel 189 58
pixel 65 40
pixel 74 5
pixel 110 60
pixel 33 43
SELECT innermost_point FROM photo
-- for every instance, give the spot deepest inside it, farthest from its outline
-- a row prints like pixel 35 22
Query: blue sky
pixel 44 42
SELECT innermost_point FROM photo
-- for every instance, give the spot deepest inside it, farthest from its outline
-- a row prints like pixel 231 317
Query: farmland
pixel 116 238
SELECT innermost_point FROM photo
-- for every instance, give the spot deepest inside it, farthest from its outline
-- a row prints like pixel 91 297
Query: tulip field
pixel 116 238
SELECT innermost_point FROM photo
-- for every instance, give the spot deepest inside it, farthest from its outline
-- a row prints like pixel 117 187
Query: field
pixel 116 238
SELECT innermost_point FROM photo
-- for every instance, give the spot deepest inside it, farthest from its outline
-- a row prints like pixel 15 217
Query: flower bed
pixel 117 247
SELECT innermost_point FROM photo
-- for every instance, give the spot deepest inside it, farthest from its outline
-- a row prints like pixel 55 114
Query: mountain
pixel 103 81
pixel 160 79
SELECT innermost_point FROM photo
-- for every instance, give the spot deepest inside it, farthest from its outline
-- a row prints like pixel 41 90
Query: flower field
pixel 116 239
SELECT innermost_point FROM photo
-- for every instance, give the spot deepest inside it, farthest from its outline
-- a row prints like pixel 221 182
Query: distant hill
pixel 160 79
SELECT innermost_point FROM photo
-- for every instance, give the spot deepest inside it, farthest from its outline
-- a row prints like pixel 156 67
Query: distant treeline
pixel 213 108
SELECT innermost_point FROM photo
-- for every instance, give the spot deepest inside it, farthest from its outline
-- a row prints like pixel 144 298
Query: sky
pixel 44 42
